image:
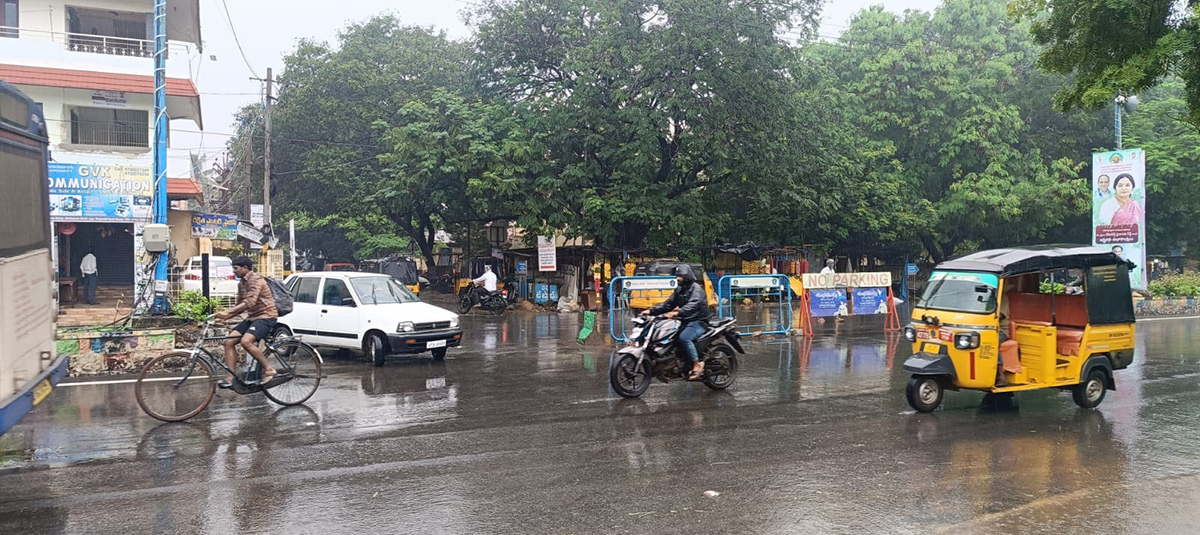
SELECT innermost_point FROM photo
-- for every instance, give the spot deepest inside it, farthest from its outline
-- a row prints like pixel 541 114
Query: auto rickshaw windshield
pixel 961 291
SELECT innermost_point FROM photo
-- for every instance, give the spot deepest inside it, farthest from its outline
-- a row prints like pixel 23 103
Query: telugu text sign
pixel 1119 207
pixel 214 226
pixel 756 282
pixel 547 255
pixel 881 279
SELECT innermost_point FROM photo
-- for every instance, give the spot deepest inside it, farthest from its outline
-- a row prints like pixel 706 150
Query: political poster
pixel 870 301
pixel 827 303
pixel 1119 207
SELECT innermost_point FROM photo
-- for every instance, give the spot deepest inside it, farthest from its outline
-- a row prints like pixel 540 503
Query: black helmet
pixel 685 272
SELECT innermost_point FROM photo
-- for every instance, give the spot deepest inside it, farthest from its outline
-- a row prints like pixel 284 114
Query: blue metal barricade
pixel 626 292
pixel 774 317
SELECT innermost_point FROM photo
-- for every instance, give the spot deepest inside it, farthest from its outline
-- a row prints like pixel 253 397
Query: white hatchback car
pixel 367 311
pixel 221 280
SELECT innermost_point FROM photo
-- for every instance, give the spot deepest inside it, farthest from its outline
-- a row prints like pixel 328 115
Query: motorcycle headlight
pixel 405 327
pixel 454 322
pixel 910 333
pixel 966 340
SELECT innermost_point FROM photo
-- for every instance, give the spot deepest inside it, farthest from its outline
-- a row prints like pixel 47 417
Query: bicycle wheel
pixel 303 363
pixel 175 386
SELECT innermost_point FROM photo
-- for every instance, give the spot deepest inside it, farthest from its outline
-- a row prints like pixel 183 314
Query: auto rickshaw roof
pixel 1033 259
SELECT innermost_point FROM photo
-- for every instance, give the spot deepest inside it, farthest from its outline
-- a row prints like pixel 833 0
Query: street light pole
pixel 1128 104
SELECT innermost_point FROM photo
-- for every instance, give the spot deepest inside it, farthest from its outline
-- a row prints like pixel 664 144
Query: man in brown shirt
pixel 256 300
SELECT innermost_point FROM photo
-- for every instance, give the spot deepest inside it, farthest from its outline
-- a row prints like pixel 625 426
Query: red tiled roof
pixel 183 187
pixel 97 81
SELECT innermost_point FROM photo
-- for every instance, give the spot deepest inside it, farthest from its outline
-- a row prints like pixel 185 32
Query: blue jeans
pixel 687 338
pixel 89 288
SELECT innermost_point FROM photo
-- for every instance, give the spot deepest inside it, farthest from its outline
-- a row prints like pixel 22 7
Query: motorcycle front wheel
pixel 720 368
pixel 464 303
pixel 627 378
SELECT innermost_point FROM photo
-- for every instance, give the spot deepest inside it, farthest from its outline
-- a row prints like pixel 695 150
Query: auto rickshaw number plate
pixel 923 334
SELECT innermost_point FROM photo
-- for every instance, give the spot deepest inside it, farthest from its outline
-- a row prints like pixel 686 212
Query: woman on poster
pixel 1121 209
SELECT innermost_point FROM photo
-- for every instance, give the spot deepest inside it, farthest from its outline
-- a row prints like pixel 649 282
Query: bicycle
pixel 178 385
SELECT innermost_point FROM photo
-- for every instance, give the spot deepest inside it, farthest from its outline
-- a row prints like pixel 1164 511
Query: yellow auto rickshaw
pixel 1001 321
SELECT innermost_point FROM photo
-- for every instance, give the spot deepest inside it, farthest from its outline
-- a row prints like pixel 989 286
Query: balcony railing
pixel 110 134
pixel 95 44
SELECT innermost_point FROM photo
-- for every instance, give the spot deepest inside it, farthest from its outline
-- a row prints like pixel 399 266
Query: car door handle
pixel 324 311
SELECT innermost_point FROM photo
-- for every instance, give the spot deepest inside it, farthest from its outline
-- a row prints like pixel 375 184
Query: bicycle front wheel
pixel 175 386
pixel 300 365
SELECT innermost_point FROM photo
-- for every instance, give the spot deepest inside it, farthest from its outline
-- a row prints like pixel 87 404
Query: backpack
pixel 283 298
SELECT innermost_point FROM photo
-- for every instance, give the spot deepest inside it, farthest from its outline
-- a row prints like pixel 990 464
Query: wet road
pixel 518 432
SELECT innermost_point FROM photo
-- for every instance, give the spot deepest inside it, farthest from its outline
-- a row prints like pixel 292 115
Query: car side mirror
pixel 348 302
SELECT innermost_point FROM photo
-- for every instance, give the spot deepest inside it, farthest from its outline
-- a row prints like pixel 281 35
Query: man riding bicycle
pixel 254 298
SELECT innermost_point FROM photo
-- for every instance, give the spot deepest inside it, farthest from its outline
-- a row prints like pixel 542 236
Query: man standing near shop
pixel 88 268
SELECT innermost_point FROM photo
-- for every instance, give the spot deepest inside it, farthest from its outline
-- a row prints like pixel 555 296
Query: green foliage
pixel 1176 285
pixel 193 306
pixel 1109 45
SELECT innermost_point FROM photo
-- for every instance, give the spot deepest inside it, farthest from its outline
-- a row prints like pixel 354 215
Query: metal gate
pixel 626 292
pixel 773 290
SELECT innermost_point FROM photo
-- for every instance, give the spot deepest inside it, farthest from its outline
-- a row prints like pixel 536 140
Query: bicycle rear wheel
pixel 303 363
pixel 175 386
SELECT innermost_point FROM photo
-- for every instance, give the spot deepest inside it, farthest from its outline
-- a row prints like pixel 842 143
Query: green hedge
pixel 1176 285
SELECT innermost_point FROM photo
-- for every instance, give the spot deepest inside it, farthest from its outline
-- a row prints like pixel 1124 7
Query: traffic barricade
pixel 775 317
pixel 622 291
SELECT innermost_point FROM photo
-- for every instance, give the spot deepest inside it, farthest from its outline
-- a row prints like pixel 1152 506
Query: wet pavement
pixel 519 432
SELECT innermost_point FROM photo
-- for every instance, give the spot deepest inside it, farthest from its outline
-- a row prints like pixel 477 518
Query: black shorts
pixel 259 328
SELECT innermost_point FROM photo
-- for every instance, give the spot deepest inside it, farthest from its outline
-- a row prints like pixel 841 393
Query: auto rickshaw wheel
pixel 924 393
pixel 1091 391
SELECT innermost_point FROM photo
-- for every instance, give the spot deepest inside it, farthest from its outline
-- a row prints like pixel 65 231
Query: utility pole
pixel 247 164
pixel 267 154
pixel 160 144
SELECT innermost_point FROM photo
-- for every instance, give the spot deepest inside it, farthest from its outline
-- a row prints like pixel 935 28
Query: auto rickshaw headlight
pixel 910 333
pixel 966 340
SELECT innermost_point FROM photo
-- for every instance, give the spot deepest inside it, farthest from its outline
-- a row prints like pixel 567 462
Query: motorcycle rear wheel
pixel 496 305
pixel 627 379
pixel 720 379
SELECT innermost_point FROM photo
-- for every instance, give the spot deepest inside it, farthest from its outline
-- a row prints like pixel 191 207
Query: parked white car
pixel 371 312
pixel 221 280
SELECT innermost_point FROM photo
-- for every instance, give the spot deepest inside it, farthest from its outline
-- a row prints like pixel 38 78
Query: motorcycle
pixel 655 352
pixel 496 302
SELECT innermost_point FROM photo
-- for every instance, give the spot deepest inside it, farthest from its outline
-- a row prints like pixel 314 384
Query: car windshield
pixel 381 290
pixel 960 291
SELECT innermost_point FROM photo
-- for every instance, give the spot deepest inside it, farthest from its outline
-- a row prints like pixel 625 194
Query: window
pixel 104 31
pixel 23 219
pixel 335 291
pixel 305 290
pixel 961 291
pixel 380 290
pixel 9 20
pixel 110 127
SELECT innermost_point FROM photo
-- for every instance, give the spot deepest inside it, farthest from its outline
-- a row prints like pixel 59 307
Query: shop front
pixel 100 209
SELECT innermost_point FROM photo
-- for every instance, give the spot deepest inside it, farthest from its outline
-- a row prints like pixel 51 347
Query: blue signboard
pixel 826 303
pixel 116 193
pixel 912 269
pixel 522 267
pixel 870 301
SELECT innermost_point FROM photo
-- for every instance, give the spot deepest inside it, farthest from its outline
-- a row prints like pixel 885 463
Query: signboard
pixel 256 219
pixel 110 99
pixel 870 301
pixel 827 303
pixel 1119 207
pixel 640 283
pixel 911 269
pixel 246 230
pixel 882 279
pixel 112 193
pixel 497 253
pixel 214 226
pixel 522 267
pixel 547 255
pixel 756 282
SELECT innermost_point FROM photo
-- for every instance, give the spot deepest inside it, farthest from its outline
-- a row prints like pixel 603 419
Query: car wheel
pixel 376 348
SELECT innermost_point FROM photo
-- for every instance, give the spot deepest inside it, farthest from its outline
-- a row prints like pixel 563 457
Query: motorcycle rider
pixel 689 304
pixel 485 286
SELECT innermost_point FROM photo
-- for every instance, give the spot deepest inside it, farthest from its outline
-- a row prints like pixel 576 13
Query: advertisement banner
pixel 1119 207
pixel 547 255
pixel 827 303
pixel 870 301
pixel 112 193
pixel 214 226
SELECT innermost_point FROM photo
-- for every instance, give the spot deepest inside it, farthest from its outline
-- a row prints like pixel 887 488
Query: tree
pixel 1172 159
pixel 1112 45
pixel 649 113
pixel 946 93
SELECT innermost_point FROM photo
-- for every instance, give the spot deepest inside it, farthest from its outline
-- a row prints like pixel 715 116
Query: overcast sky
pixel 268 30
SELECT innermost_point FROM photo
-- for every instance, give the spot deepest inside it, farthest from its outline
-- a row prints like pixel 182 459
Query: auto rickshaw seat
pixel 1069 316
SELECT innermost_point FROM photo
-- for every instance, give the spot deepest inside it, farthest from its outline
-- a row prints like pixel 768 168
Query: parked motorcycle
pixel 444 284
pixel 655 352
pixel 496 302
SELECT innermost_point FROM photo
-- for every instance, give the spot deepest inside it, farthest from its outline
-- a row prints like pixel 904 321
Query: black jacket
pixel 691 300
